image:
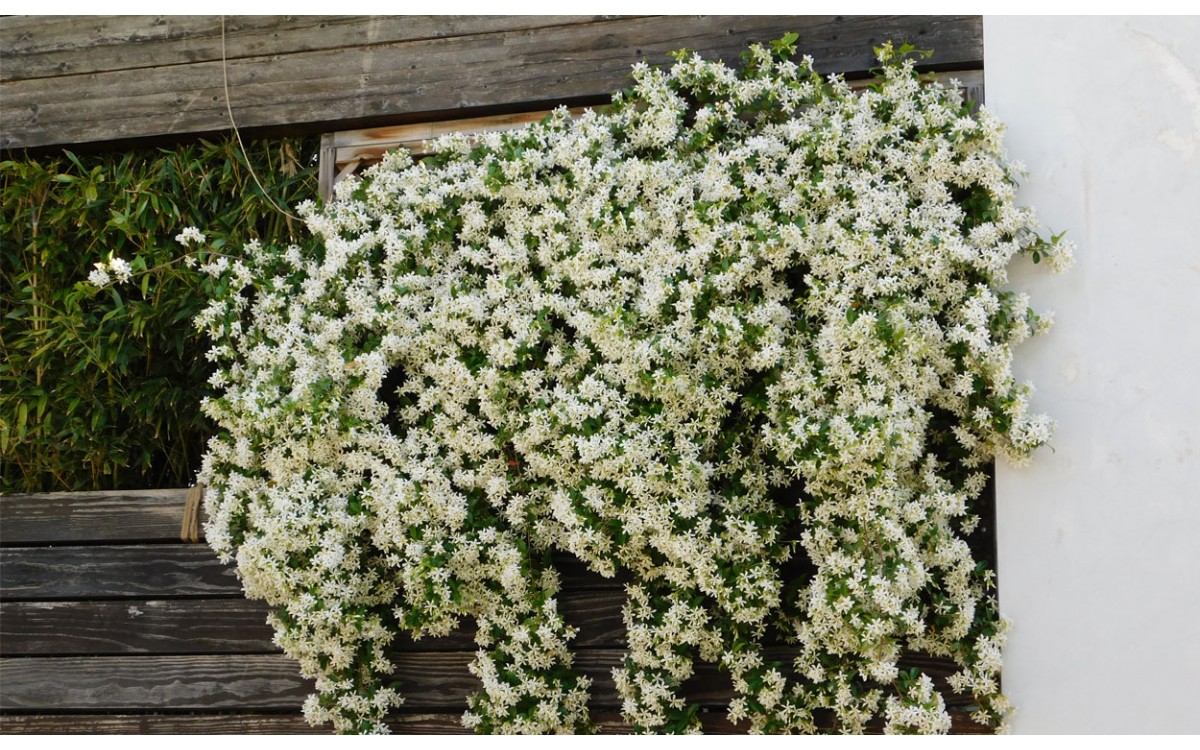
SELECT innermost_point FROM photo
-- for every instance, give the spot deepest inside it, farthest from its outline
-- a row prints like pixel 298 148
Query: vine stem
pixel 238 134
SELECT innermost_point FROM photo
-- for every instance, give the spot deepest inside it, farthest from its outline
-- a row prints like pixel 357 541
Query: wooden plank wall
pixel 79 80
pixel 108 623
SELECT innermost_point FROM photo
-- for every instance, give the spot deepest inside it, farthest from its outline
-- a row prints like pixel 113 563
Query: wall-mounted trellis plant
pixel 740 317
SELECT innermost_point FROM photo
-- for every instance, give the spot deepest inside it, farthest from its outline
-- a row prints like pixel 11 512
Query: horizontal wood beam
pixel 47 47
pixel 113 516
pixel 428 681
pixel 150 571
pixel 164 571
pixel 123 683
pixel 155 626
pixel 156 723
pixel 362 72
pixel 234 626
pixel 607 722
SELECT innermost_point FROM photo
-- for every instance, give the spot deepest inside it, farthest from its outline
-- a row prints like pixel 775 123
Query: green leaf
pixel 785 46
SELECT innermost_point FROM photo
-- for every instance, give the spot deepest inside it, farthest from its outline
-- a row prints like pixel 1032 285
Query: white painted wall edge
pixel 1099 539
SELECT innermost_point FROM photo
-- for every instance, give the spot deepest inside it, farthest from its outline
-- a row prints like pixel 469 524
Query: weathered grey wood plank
pixel 129 515
pixel 161 571
pixel 607 722
pixel 221 626
pixel 428 78
pixel 223 723
pixel 429 681
pixel 713 720
pixel 147 683
pixel 170 626
pixel 443 680
pixel 41 46
pixel 150 571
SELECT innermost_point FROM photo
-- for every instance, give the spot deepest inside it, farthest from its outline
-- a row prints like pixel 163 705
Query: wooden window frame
pixel 345 152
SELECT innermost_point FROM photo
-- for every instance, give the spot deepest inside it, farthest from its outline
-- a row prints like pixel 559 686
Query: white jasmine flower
pixel 190 236
pixel 120 269
pixel 99 276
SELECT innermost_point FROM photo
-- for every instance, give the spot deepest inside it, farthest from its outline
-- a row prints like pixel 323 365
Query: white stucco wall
pixel 1099 540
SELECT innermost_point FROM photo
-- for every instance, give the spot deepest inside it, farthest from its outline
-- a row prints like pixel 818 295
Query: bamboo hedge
pixel 101 389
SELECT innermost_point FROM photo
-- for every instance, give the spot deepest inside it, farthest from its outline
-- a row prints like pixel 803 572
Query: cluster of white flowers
pixel 120 271
pixel 112 270
pixel 740 317
pixel 190 236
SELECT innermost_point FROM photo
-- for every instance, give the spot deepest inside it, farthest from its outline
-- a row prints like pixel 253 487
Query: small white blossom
pixel 120 269
pixel 190 236
pixel 99 276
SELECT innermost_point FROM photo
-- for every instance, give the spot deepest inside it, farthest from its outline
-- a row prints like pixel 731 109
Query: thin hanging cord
pixel 236 132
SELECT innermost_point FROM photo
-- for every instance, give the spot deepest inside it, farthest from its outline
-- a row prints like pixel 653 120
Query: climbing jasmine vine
pixel 740 323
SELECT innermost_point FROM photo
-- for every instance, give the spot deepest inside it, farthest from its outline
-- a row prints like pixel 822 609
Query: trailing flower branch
pixel 739 319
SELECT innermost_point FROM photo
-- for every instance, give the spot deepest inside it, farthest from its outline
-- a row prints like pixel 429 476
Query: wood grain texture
pixel 135 626
pixel 122 516
pixel 607 722
pixel 150 683
pixel 220 627
pixel 40 47
pixel 154 571
pixel 713 720
pixel 443 680
pixel 367 83
pixel 149 571
pixel 439 682
pixel 215 723
pixel 224 626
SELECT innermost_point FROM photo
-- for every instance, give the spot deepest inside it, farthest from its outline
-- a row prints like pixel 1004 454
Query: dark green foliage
pixel 102 389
